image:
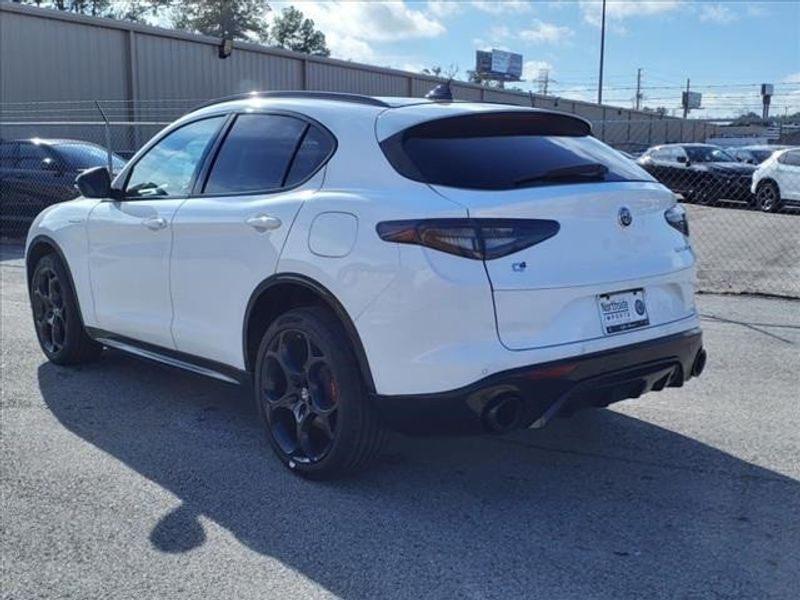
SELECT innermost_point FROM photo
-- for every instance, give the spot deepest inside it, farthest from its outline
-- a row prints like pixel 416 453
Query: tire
pixel 768 197
pixel 311 397
pixel 56 317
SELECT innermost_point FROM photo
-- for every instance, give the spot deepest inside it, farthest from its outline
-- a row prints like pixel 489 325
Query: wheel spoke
pixel 323 423
pixel 304 437
pixel 58 333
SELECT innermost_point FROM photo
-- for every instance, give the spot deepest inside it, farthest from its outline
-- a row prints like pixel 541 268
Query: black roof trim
pixel 311 95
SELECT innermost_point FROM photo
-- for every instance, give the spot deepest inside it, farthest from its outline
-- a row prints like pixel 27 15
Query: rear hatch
pixel 614 250
pixel 550 293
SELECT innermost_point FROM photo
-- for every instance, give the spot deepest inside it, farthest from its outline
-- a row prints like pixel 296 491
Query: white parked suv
pixel 372 263
pixel 776 182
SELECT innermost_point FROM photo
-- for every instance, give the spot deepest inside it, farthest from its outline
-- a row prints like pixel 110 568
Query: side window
pixel 31 157
pixel 791 158
pixel 168 168
pixel 314 150
pixel 255 154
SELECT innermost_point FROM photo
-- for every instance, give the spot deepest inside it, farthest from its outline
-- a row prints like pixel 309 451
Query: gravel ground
pixel 124 479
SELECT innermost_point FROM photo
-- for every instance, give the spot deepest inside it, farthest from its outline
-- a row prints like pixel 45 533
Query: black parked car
pixel 36 173
pixel 701 173
pixel 754 155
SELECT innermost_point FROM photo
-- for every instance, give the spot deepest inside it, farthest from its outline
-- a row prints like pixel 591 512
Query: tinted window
pixel 507 150
pixel 314 150
pixel 255 154
pixel 86 156
pixel 168 167
pixel 792 158
pixel 705 154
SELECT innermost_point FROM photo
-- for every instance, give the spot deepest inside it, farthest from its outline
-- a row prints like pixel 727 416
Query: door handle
pixel 155 223
pixel 263 222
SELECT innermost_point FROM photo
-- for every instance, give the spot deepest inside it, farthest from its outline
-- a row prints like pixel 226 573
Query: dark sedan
pixel 36 173
pixel 701 173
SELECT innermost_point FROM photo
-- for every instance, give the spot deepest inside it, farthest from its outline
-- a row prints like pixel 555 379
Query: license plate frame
pixel 622 311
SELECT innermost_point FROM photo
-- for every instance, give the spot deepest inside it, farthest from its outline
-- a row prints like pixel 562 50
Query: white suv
pixel 777 180
pixel 376 262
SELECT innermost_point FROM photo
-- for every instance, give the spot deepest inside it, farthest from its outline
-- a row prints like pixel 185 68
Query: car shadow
pixel 602 505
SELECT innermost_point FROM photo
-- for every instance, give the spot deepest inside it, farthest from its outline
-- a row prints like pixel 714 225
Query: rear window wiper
pixel 581 172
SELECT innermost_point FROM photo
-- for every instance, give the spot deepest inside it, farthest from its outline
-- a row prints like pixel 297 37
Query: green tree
pixel 237 19
pixel 129 10
pixel 291 30
pixel 450 72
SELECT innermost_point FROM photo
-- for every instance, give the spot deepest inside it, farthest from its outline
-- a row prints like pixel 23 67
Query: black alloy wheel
pixel 311 396
pixel 49 310
pixel 300 396
pixel 56 316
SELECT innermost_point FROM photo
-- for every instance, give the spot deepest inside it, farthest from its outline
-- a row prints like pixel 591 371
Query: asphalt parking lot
pixel 124 479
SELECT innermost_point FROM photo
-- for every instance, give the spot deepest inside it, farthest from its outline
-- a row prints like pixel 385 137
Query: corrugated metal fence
pixel 60 57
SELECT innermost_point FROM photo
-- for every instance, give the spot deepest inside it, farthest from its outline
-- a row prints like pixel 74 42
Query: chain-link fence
pixel 744 204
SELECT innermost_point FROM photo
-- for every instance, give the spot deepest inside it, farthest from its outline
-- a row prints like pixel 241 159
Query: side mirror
pixel 94 183
pixel 683 160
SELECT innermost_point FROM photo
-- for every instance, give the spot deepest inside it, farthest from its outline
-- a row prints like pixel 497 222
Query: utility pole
pixel 602 53
pixel 544 80
pixel 686 103
pixel 638 87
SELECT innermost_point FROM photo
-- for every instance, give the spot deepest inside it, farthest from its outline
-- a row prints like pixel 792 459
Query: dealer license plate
pixel 622 311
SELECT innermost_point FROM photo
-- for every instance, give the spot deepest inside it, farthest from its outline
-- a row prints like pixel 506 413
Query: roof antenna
pixel 441 93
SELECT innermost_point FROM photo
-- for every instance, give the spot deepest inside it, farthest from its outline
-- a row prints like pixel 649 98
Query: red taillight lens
pixel 480 239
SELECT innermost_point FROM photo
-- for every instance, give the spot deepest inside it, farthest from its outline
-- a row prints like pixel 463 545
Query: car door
pixel 130 239
pixel 788 175
pixel 8 163
pixel 681 173
pixel 229 235
pixel 35 180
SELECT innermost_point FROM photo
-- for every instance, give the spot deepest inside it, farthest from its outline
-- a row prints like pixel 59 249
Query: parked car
pixel 701 173
pixel 36 173
pixel 777 181
pixel 376 262
pixel 754 155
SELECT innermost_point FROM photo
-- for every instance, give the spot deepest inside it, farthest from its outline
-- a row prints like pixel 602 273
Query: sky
pixel 727 49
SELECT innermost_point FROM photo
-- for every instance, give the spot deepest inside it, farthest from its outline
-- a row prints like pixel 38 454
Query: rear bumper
pixel 531 396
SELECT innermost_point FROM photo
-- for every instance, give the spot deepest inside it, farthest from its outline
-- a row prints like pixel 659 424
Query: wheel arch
pixel 284 291
pixel 40 246
pixel 766 180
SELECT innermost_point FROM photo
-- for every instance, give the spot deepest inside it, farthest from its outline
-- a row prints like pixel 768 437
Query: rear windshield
pixel 501 151
pixel 86 156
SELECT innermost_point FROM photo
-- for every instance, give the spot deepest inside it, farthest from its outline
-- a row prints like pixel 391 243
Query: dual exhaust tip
pixel 504 411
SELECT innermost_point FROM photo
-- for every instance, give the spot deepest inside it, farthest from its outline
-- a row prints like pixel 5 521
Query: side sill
pixel 172 358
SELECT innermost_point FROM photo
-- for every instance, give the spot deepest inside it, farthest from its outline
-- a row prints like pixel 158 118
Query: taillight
pixel 676 216
pixel 480 239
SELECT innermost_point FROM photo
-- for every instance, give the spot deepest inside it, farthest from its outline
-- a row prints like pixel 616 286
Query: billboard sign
pixel 499 64
pixel 691 99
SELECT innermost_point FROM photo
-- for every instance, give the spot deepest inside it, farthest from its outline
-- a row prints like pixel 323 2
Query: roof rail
pixel 313 95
